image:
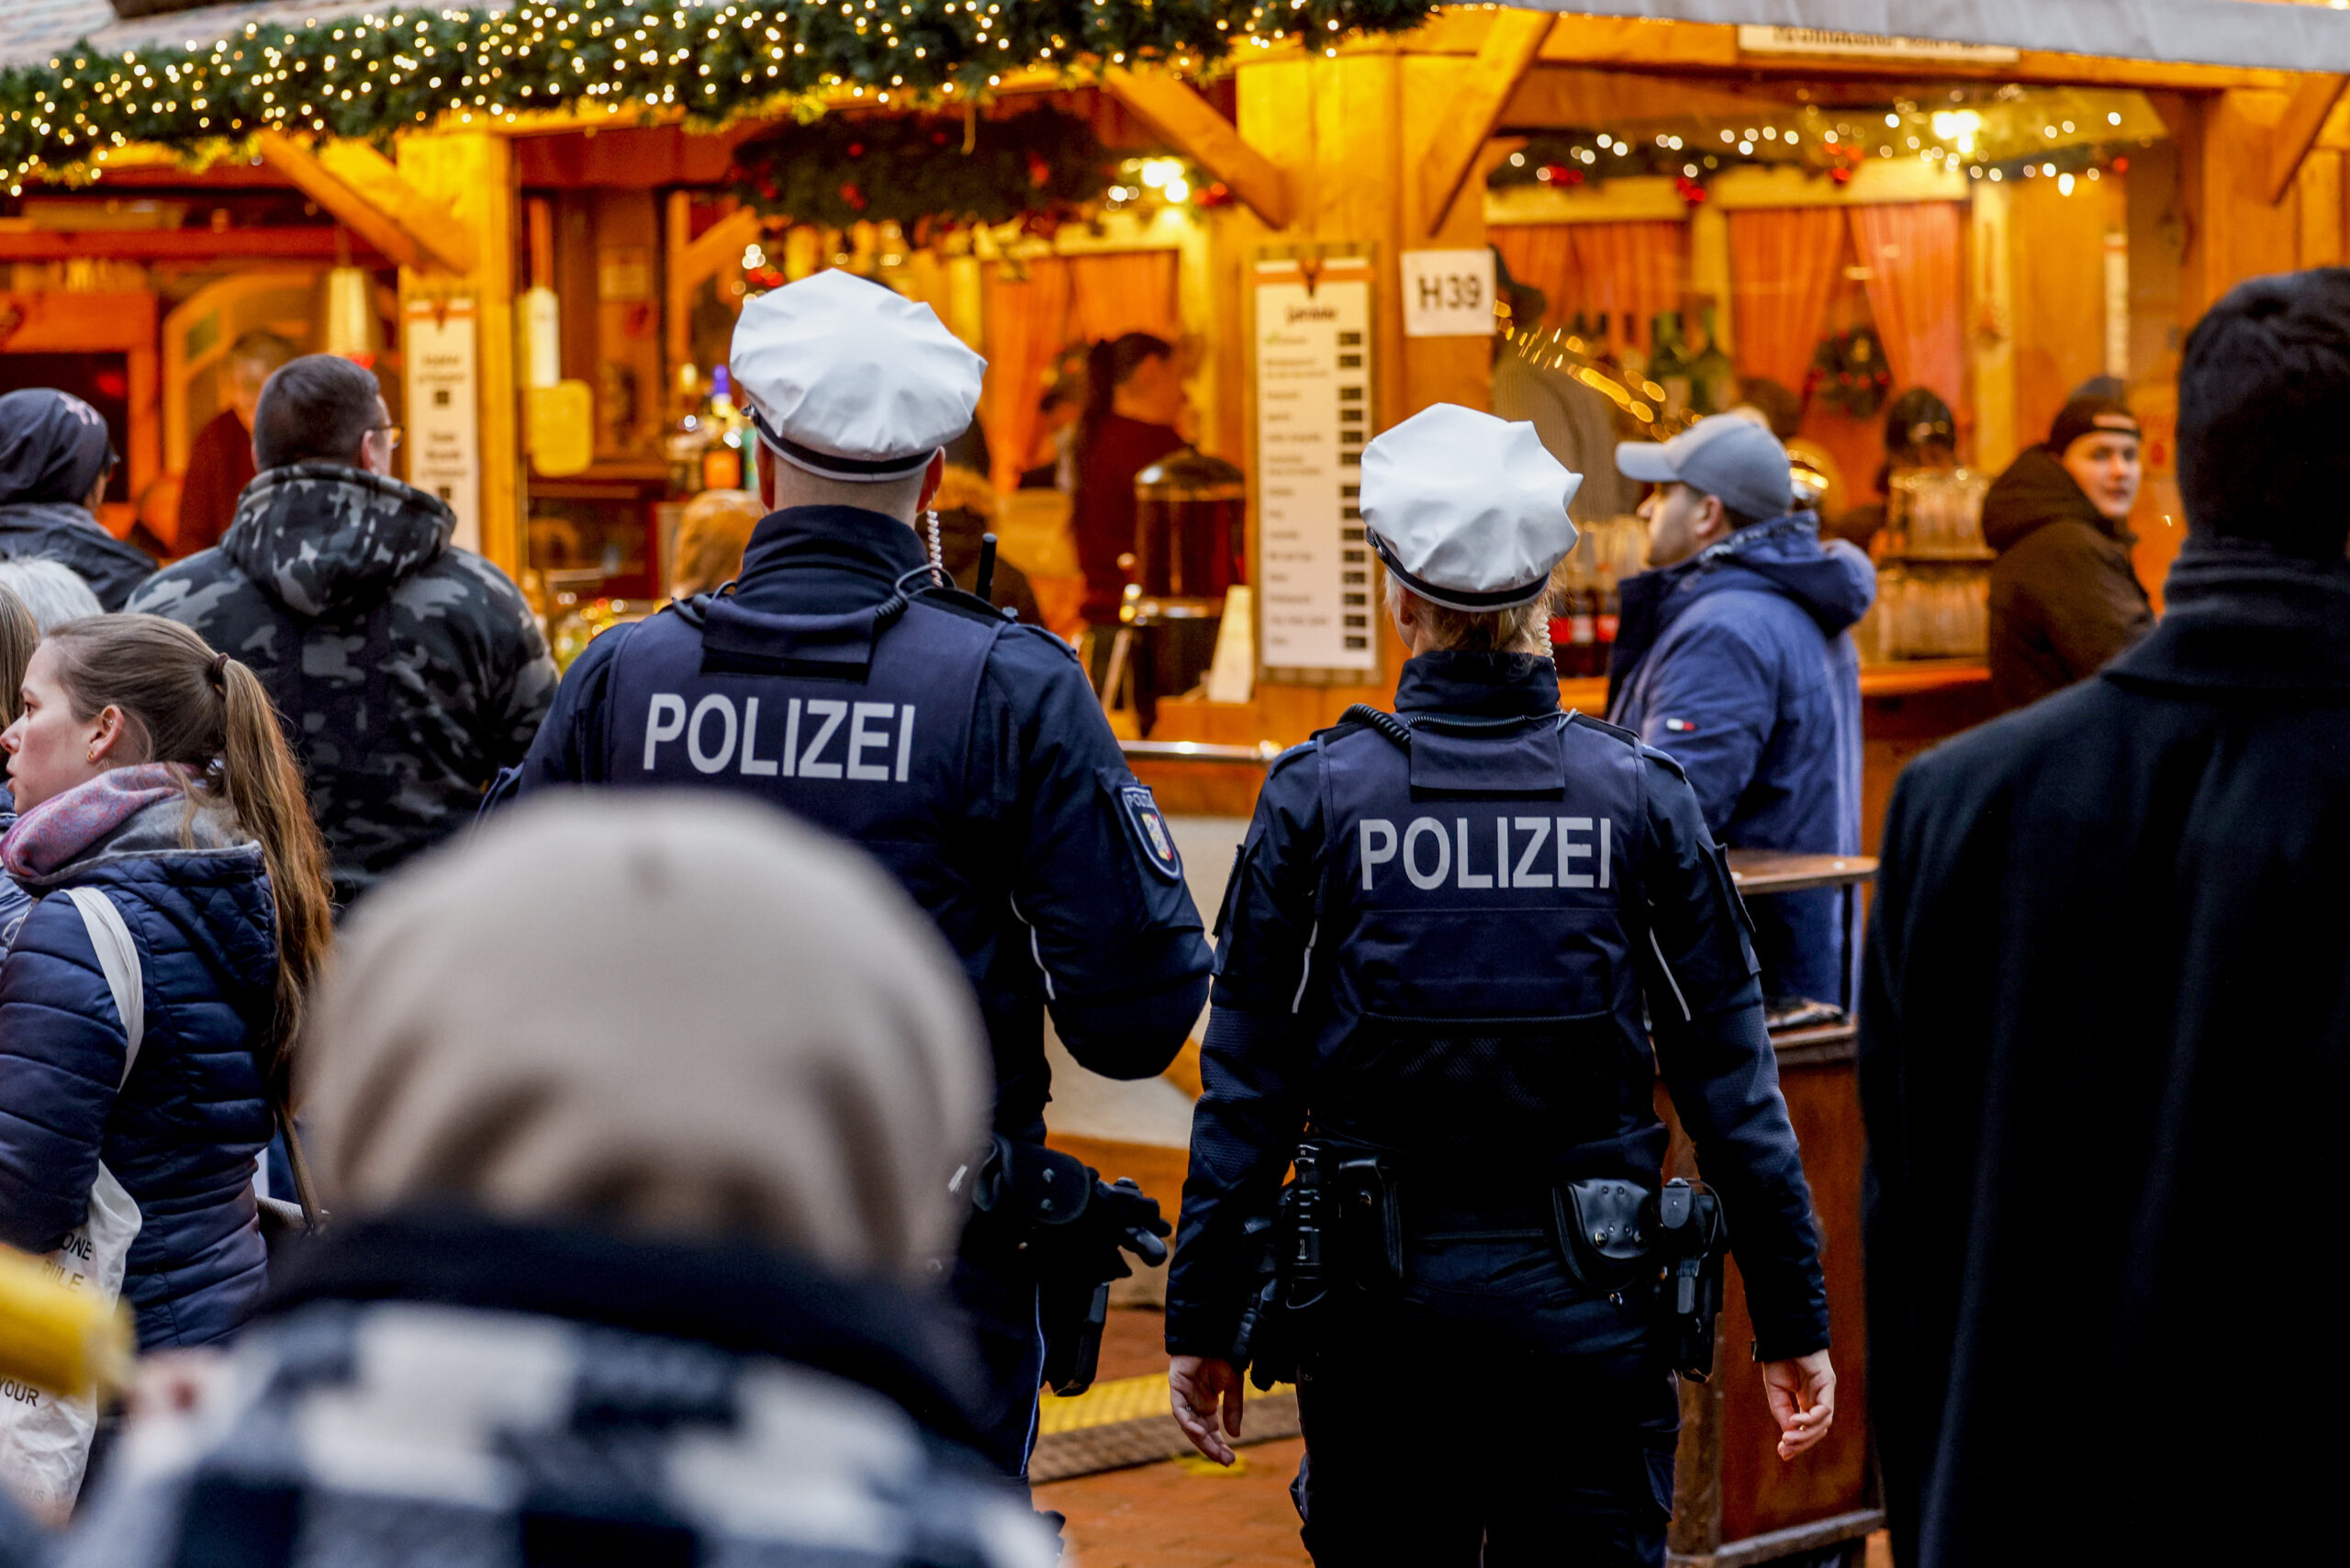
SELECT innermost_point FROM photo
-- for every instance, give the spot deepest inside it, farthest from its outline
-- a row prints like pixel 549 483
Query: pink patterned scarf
pixel 50 835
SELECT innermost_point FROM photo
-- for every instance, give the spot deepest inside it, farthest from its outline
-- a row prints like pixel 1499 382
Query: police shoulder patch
pixel 1150 831
pixel 1593 722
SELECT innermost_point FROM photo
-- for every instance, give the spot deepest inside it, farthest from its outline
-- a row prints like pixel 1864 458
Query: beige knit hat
pixel 676 1014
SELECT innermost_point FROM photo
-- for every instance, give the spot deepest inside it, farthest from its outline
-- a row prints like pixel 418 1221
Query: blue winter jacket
pixel 181 1134
pixel 1739 663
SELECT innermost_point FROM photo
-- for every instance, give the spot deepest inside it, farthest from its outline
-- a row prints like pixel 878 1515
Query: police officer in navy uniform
pixel 1450 935
pixel 841 677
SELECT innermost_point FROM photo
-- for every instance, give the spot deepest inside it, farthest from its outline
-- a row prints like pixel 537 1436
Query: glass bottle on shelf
pixel 722 459
pixel 687 437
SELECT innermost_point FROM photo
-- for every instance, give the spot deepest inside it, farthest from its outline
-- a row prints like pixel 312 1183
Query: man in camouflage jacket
pixel 408 671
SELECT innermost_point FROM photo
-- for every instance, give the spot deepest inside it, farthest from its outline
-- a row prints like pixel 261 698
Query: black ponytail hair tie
pixel 220 670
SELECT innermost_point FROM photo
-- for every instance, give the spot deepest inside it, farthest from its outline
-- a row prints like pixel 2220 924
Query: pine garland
pixel 1043 167
pixel 405 67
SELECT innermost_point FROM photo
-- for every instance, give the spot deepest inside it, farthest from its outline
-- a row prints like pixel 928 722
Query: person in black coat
pixel 2105 1031
pixel 2065 598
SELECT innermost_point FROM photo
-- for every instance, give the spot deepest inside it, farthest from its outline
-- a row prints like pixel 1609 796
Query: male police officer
pixel 1431 961
pixel 837 678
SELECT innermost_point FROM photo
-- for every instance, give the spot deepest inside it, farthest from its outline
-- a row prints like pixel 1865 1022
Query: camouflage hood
pixel 321 538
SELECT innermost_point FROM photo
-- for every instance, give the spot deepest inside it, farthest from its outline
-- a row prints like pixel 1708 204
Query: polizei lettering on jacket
pixel 820 738
pixel 1514 852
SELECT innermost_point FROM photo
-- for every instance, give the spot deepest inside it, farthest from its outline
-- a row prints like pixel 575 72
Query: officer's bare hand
pixel 1196 1385
pixel 1803 1400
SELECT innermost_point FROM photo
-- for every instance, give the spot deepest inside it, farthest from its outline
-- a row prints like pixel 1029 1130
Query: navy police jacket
pixel 964 751
pixel 1452 947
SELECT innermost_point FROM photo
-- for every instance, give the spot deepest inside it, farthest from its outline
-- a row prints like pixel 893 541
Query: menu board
pixel 1310 357
pixel 443 415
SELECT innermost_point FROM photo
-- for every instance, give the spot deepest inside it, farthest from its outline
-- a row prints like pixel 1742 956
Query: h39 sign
pixel 1449 294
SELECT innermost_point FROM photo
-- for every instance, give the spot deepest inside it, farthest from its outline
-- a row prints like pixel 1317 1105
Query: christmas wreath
pixel 1849 370
pixel 930 173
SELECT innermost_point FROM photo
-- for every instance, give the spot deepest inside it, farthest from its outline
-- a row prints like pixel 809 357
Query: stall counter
pixel 1905 708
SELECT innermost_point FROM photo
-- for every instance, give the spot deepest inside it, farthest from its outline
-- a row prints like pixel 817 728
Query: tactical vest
pixel 860 722
pixel 1479 1007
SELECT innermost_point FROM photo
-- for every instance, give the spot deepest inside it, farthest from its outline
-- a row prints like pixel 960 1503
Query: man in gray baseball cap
pixel 1720 475
pixel 1735 658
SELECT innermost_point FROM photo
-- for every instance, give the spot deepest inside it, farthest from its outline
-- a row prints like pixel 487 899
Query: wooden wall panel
pixel 2233 232
pixel 2057 253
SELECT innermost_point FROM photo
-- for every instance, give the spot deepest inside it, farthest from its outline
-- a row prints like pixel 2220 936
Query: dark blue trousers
pixel 995 1286
pixel 1491 1412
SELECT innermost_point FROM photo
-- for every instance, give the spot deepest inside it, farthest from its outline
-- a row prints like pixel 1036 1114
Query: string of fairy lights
pixel 373 76
pixel 2066 135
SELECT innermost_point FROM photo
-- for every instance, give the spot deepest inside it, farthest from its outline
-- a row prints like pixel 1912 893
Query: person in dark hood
pixel 2105 1030
pixel 408 671
pixel 54 462
pixel 1736 658
pixel 2064 597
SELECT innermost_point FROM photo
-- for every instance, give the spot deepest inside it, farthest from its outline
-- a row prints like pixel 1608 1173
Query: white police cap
pixel 1467 511
pixel 851 380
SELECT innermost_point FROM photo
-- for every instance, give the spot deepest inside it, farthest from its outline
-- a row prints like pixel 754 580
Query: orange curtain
pixel 1132 292
pixel 1062 300
pixel 1627 272
pixel 1025 318
pixel 1540 255
pixel 1632 272
pixel 1782 264
pixel 1912 254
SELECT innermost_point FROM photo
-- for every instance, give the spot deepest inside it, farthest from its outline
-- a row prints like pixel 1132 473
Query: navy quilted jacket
pixel 181 1132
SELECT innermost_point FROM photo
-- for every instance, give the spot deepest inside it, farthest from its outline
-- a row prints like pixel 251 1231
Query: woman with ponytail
pixel 1134 395
pixel 153 769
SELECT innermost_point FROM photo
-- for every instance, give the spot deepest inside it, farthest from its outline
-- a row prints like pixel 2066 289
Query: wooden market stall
pixel 559 207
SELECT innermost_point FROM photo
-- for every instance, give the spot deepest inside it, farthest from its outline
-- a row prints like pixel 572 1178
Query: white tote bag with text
pixel 44 1439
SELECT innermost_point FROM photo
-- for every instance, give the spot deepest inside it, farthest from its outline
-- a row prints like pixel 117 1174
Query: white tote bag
pixel 45 1438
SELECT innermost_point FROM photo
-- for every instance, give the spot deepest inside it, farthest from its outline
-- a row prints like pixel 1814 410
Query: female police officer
pixel 838 677
pixel 1432 962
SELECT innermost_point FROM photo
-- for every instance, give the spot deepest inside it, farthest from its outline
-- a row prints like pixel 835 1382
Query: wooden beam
pixel 1655 45
pixel 1177 112
pixel 1502 62
pixel 311 244
pixel 1557 96
pixel 362 188
pixel 2305 115
pixel 719 246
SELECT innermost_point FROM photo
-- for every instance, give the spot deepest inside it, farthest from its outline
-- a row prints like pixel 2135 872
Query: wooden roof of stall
pixel 31 31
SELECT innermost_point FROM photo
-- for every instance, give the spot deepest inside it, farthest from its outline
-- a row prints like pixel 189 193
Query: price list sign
pixel 443 414
pixel 1311 364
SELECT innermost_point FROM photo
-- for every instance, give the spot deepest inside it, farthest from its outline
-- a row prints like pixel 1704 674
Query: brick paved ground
pixel 1185 1515
pixel 1190 1514
pixel 1178 1515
